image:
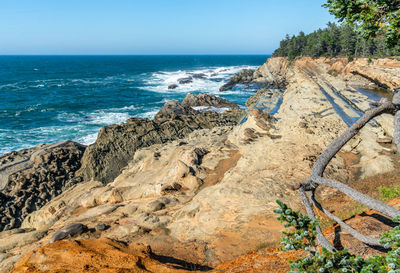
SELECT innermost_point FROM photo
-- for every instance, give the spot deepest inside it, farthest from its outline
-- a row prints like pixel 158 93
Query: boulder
pixel 172 86
pixel 174 107
pixel 69 231
pixel 245 77
pixel 185 80
pixel 199 76
pixel 192 100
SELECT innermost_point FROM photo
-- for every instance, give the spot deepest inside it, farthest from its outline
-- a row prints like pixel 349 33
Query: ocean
pixel 48 99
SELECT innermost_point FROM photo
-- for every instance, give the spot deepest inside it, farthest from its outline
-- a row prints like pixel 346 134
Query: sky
pixel 54 27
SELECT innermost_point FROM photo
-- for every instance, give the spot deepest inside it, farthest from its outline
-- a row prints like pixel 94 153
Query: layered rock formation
pixel 201 187
pixel 117 144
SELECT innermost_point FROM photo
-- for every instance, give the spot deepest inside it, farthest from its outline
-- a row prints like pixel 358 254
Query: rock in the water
pixel 199 76
pixel 71 230
pixel 172 86
pixel 185 80
pixel 245 77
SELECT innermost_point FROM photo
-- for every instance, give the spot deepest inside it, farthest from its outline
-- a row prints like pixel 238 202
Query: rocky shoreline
pixel 199 185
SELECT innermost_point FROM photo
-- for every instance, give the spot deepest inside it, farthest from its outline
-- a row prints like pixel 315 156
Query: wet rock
pixel 244 77
pixel 69 231
pixel 185 80
pixel 199 76
pixel 172 86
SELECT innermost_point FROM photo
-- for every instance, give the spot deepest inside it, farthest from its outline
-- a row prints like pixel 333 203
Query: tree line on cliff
pixel 335 40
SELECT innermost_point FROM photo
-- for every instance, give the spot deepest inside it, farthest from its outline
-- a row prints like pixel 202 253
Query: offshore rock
pixel 245 76
pixel 185 80
pixel 31 177
pixel 172 86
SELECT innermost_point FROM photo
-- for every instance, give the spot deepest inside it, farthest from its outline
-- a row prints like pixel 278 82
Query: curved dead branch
pixel 320 237
pixel 361 237
pixel 316 178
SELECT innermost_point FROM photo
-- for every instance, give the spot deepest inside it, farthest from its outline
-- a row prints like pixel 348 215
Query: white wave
pixel 87 140
pixel 69 117
pixel 213 80
pixel 130 107
pixel 150 114
pixel 105 118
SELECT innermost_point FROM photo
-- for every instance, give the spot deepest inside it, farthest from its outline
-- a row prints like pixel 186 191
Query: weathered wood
pixel 316 178
pixel 361 237
pixel 320 237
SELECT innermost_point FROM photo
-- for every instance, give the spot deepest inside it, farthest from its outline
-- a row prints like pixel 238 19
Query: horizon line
pixel 166 54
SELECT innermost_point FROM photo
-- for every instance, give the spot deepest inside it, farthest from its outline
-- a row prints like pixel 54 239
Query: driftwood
pixel 307 189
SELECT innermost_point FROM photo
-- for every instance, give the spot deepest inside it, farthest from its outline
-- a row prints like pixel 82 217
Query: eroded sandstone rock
pixel 32 177
pixel 116 144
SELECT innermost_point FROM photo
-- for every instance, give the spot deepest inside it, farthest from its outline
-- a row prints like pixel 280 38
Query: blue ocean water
pixel 47 99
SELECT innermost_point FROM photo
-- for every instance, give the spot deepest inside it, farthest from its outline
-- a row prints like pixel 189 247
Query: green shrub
pixel 303 236
pixel 388 193
pixel 350 58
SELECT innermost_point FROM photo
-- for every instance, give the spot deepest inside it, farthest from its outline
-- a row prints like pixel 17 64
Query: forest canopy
pixel 370 17
pixel 336 40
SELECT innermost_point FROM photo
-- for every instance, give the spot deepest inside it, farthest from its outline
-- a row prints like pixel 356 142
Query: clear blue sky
pixel 154 26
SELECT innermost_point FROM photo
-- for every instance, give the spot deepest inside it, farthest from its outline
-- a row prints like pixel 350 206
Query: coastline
pixel 49 99
pixel 161 193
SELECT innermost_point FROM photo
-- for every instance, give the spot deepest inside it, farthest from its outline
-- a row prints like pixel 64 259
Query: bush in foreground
pixel 302 235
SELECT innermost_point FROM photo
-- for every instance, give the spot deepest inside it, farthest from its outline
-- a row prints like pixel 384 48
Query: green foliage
pixel 303 236
pixel 334 41
pixel 388 193
pixel 370 17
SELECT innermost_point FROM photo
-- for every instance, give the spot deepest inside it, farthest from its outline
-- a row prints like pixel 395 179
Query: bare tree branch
pixel 365 239
pixel 316 179
pixel 320 237
pixel 358 196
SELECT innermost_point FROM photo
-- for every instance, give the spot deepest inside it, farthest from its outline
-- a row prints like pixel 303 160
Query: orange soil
pixel 101 255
